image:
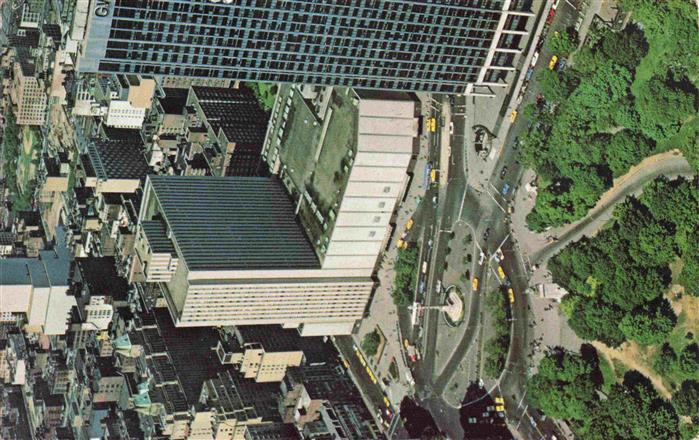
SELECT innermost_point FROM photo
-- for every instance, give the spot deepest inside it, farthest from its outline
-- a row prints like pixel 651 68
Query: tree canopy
pixel 625 95
pixel 371 342
pixel 616 280
pixel 563 386
pixel 567 386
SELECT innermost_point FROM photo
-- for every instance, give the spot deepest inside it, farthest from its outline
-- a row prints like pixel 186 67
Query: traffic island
pixel 454 307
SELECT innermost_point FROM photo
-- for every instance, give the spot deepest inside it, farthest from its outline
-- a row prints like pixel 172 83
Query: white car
pixel 451 128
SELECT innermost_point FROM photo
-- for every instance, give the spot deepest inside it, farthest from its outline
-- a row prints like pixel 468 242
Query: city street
pixel 483 205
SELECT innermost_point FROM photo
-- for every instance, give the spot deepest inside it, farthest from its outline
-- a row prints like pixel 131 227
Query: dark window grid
pixel 480 17
pixel 274 53
pixel 358 78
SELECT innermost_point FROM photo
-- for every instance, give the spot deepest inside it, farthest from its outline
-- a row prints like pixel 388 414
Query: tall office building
pixel 439 46
pixel 229 251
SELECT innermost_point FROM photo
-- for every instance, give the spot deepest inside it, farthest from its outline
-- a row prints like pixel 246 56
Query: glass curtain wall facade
pixel 437 46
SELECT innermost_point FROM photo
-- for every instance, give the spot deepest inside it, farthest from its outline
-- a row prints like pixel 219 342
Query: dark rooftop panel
pixel 157 237
pixel 229 223
pixel 116 159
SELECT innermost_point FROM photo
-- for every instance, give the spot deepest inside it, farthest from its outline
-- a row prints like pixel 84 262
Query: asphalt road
pixel 484 211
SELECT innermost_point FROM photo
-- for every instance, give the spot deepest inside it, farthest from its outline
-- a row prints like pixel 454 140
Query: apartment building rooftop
pixel 116 159
pixel 230 223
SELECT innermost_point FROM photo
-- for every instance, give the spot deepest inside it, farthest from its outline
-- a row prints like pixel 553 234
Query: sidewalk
pixel 382 311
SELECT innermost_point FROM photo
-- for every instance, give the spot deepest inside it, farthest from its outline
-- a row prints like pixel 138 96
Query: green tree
pixel 371 342
pixel 666 360
pixel 563 43
pixel 406 276
pixel 689 277
pixel 686 399
pixel 662 107
pixel 649 324
pixel 555 86
pixel 563 386
pixel 626 149
pixel 689 359
pixel 597 321
pixel 632 411
pixel 626 47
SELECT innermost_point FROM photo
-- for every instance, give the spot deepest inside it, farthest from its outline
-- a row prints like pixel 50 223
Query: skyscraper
pixel 439 46
pixel 229 251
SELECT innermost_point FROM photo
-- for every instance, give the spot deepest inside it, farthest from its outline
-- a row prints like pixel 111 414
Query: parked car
pixel 505 189
pixel 503 172
pixel 552 62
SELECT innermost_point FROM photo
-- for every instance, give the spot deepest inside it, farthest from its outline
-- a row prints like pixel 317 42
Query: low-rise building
pixel 264 353
pixel 38 289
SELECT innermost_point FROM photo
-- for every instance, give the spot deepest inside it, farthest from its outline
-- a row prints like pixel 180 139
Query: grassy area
pixel 28 158
pixel 404 284
pixel 497 347
pixel 265 93
pixel 393 370
pixel 340 138
pixel 22 152
pixel 608 376
pixel 299 142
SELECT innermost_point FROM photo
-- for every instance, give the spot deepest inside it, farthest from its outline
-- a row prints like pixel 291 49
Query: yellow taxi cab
pixel 371 375
pixel 432 124
pixel 474 284
pixel 501 273
pixel 553 61
pixel 386 402
pixel 500 408
pixel 499 401
pixel 401 244
pixel 511 295
pixel 513 116
pixel 409 225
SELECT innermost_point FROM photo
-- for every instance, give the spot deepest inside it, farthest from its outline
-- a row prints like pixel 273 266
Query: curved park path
pixel 670 164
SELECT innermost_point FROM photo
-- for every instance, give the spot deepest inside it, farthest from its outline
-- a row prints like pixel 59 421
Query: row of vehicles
pixel 402 243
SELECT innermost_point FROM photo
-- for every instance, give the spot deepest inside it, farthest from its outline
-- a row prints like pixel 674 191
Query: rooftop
pixel 233 223
pixel 235 111
pixel 101 277
pixel 117 159
pixel 175 101
pixel 275 338
pixel 157 237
